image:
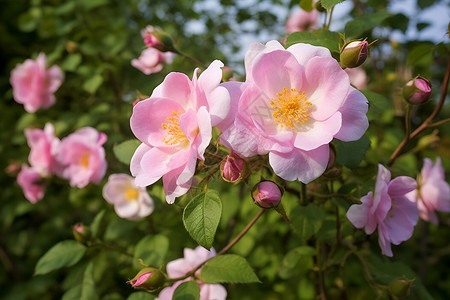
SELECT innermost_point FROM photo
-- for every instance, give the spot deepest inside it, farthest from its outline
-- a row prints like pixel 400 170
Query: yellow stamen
pixel 290 108
pixel 84 160
pixel 131 193
pixel 174 133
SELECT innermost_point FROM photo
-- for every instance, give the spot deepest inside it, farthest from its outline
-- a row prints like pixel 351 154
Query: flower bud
pixel 82 233
pixel 148 278
pixel 354 54
pixel 233 168
pixel 266 194
pixel 417 90
pixel 156 38
pixel 400 287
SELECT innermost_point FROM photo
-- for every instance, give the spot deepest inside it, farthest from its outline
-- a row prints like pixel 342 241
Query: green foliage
pixel 351 154
pixel 201 217
pixel 322 37
pixel 188 290
pixel 307 5
pixel 362 24
pixel 124 151
pixel 63 254
pixel 229 268
pixel 306 220
pixel 152 250
pixel 330 3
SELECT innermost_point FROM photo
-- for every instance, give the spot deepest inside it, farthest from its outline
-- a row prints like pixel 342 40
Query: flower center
pixel 290 108
pixel 174 133
pixel 131 193
pixel 84 160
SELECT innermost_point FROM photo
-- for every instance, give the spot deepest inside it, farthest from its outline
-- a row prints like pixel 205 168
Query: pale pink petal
pixel 255 50
pixel 401 185
pixel 354 119
pixel 384 241
pixel 326 86
pixel 219 105
pixel 313 134
pixel 127 210
pixel 205 131
pixel 235 90
pixel 182 94
pixel 212 292
pixel 30 182
pixel 298 164
pixel 401 220
pixel 304 52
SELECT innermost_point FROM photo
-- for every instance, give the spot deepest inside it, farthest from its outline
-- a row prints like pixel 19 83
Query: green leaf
pixel 124 151
pixel 350 154
pixel 421 55
pixel 330 3
pixel 64 254
pixel 92 84
pixel 307 5
pixel 297 262
pixel 188 290
pixel 306 220
pixel 321 37
pixel 95 225
pixel 361 24
pixel 201 217
pixel 230 268
pixel 378 104
pixel 74 293
pixel 152 250
pixel 71 62
pixel 88 284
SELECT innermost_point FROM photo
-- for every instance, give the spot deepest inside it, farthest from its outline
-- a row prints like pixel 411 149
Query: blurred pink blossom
pixel 175 127
pixel 83 157
pixel 433 192
pixel 293 103
pixel 44 145
pixel 358 77
pixel 34 85
pixel 31 183
pixel 130 202
pixel 152 60
pixel 180 267
pixel 301 20
pixel 388 208
pixel 150 39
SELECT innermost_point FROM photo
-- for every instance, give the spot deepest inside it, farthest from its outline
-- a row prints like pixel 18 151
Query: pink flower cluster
pixel 301 20
pixel 395 205
pixel 151 59
pixel 180 267
pixel 34 85
pixel 79 157
pixel 293 103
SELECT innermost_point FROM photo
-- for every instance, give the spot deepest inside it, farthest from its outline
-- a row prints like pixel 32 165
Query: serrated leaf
pixel 321 37
pixel 306 5
pixel 330 3
pixel 230 268
pixel 64 254
pixel 306 220
pixel 188 290
pixel 152 250
pixel 201 217
pixel 88 284
pixel 124 151
pixel 356 27
pixel 350 154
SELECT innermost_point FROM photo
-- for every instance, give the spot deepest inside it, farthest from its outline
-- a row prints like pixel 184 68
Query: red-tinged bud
pixel 417 90
pixel 267 194
pixel 354 54
pixel 156 38
pixel 400 287
pixel 233 168
pixel 82 233
pixel 148 278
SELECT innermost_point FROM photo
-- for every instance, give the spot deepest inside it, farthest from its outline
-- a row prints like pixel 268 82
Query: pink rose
pixel 292 104
pixel 129 201
pixel 148 34
pixel 34 85
pixel 387 208
pixel 180 267
pixel 83 157
pixel 43 145
pixel 301 20
pixel 174 126
pixel 31 183
pixel 433 192
pixel 152 60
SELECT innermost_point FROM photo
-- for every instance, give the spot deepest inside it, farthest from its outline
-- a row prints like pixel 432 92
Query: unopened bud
pixel 156 38
pixel 400 287
pixel 82 233
pixel 417 90
pixel 148 278
pixel 354 54
pixel 267 194
pixel 233 168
